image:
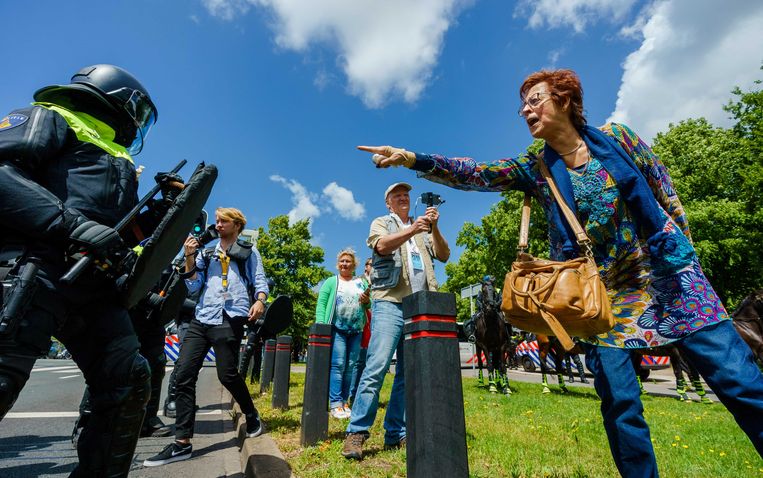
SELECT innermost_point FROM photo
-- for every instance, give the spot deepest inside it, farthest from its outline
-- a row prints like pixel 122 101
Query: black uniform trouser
pixel 100 337
pixel 182 328
pixel 225 340
pixel 151 337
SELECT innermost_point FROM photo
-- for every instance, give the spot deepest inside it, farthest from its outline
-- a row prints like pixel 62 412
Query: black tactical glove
pixel 170 184
pixel 97 239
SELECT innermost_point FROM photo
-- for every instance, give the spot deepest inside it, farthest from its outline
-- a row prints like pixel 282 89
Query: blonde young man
pixel 403 248
pixel 229 297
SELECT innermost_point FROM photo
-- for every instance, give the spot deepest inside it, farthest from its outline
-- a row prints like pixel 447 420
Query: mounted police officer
pixel 66 178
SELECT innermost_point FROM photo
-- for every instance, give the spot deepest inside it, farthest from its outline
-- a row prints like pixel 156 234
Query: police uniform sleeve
pixel 30 139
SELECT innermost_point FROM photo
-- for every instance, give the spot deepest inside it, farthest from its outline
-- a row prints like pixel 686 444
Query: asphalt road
pixel 35 436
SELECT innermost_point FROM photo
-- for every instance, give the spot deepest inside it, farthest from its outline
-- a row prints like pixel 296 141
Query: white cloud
pixel 301 198
pixel 226 9
pixel 387 49
pixel 574 13
pixel 343 201
pixel 692 54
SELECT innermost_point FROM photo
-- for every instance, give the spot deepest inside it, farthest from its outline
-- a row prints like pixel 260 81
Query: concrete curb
pixel 260 456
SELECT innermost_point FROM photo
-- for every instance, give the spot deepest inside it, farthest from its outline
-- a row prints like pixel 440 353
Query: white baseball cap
pixel 407 187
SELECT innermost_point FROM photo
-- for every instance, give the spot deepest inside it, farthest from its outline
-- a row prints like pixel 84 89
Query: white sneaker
pixel 339 413
pixel 347 410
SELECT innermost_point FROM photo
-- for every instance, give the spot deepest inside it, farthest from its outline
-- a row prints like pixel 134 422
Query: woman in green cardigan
pixel 342 302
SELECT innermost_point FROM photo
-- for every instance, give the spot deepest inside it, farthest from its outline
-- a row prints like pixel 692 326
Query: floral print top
pixel 650 309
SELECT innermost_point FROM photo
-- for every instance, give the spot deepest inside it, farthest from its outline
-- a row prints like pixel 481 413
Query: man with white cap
pixel 403 249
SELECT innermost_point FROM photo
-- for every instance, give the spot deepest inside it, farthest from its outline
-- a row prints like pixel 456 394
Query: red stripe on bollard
pixel 439 335
pixel 433 318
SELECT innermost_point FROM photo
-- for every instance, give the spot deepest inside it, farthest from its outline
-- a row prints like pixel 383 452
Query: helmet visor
pixel 139 107
pixel 143 113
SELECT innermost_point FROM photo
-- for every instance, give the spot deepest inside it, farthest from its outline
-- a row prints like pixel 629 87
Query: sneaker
pixel 353 446
pixel 395 446
pixel 338 412
pixel 254 426
pixel 347 410
pixel 171 453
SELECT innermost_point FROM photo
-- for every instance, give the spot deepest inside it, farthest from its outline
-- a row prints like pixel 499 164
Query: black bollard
pixel 315 417
pixel 267 365
pixel 434 401
pixel 282 373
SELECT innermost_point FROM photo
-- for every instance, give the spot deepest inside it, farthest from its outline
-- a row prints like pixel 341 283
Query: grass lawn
pixel 531 435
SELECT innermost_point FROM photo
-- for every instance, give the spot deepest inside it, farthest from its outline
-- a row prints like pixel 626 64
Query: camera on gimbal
pixel 431 199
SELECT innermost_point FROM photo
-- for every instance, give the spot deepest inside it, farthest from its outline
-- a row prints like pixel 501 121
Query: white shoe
pixel 338 412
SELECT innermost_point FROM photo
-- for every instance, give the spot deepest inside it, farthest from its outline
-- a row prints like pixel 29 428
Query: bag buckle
pixel 586 247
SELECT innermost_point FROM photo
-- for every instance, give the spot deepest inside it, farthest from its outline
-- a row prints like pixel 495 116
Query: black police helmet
pixel 112 95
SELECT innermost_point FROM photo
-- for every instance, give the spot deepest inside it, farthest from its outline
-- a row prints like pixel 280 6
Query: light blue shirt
pixel 212 302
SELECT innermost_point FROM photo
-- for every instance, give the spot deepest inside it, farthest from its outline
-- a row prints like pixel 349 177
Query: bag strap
pixel 524 226
pixel 572 220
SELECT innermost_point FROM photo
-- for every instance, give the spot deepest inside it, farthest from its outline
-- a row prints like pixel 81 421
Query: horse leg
pixel 559 363
pixel 696 383
pixel 636 362
pixel 491 373
pixel 579 366
pixel 543 353
pixel 568 366
pixel 480 379
pixel 675 362
pixel 504 371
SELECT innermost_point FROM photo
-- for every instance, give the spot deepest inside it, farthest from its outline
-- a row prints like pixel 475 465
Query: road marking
pixel 68 376
pixel 76 414
pixel 41 414
pixel 51 369
pixel 75 369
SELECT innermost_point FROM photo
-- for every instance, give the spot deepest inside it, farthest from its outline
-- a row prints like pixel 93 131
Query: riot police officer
pixel 66 177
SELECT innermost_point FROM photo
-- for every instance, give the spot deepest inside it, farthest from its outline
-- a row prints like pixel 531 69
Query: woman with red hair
pixel 623 197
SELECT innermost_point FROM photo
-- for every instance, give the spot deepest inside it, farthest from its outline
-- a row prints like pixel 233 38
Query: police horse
pixel 679 364
pixel 492 336
pixel 548 344
pixel 749 325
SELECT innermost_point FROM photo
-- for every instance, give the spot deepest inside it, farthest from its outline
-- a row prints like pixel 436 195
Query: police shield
pixel 174 294
pixel 277 317
pixel 169 235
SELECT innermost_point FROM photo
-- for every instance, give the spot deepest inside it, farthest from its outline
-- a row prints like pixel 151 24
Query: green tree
pixel 294 264
pixel 489 248
pixel 718 174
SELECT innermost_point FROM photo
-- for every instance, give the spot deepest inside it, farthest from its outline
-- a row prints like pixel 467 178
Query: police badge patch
pixel 13 120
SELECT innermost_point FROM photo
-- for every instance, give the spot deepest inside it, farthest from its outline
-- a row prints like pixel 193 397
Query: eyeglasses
pixel 533 101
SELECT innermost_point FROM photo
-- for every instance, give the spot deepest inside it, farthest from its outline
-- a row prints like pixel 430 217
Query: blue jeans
pixel 386 337
pixel 345 348
pixel 723 360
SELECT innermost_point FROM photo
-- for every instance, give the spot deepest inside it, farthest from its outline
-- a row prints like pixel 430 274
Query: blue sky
pixel 277 93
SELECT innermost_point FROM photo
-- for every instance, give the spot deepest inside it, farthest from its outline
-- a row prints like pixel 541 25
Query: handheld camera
pixel 431 199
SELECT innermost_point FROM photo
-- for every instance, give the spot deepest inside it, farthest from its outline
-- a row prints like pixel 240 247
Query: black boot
pixel 154 427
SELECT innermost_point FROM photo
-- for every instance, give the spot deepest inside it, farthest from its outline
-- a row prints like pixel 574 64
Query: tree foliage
pixel 294 264
pixel 491 246
pixel 718 174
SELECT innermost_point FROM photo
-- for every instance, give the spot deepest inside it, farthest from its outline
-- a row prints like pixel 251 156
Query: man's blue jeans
pixel 345 348
pixel 386 337
pixel 723 360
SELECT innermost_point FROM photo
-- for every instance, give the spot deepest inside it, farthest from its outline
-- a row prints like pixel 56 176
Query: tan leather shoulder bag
pixel 556 298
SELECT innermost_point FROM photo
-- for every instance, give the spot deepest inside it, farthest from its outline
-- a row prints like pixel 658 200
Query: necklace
pixel 576 148
pixel 577 171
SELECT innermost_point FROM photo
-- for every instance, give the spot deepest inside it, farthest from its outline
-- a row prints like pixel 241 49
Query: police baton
pixel 85 261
